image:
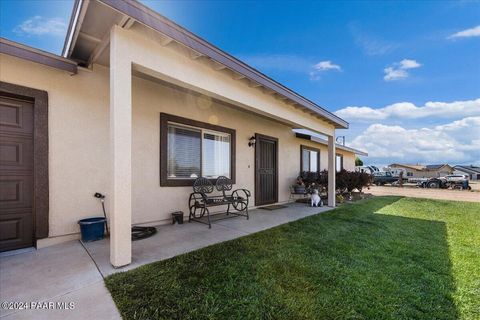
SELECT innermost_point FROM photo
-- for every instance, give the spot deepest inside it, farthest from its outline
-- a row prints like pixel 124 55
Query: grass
pixel 381 258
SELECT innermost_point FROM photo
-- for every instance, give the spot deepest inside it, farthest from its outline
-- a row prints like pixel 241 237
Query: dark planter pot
pixel 177 217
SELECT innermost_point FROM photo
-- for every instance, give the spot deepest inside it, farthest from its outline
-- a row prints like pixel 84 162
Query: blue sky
pixel 406 75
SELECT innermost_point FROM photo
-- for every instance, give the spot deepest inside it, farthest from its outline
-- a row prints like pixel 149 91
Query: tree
pixel 358 162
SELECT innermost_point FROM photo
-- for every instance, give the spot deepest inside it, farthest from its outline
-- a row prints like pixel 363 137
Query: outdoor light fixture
pixel 251 141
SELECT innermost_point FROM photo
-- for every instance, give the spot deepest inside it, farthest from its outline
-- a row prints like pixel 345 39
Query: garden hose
pixel 138 233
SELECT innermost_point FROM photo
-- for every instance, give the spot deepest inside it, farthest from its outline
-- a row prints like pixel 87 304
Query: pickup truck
pixel 380 178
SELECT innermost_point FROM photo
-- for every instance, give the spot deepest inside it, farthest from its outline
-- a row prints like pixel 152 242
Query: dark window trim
pixel 164 119
pixel 304 147
pixel 40 152
pixel 341 161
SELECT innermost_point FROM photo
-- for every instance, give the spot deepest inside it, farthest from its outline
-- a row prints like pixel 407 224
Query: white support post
pixel 120 152
pixel 331 171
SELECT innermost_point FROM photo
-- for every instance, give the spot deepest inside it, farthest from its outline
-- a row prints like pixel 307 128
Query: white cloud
pixel 399 70
pixel 392 74
pixel 456 142
pixel 472 32
pixel 323 66
pixel 407 110
pixel 409 64
pixel 39 25
pixel 326 65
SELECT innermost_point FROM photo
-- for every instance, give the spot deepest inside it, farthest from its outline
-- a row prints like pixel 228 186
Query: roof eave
pixel 19 50
pixel 72 27
pixel 324 142
pixel 151 19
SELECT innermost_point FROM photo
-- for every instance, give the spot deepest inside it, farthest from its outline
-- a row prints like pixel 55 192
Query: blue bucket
pixel 92 229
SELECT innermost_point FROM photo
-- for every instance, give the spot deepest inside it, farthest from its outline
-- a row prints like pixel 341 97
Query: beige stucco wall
pixel 79 142
pixel 348 159
pixel 78 137
pixel 152 202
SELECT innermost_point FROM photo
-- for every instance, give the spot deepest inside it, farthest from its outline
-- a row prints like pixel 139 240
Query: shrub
pixel 346 181
pixel 358 162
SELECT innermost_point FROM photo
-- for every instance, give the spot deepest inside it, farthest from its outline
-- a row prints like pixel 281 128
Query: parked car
pixel 443 183
pixel 381 178
pixel 396 171
pixel 456 177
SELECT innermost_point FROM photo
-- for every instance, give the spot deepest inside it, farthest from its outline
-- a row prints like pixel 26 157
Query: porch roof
pixel 22 51
pixel 325 142
pixel 87 42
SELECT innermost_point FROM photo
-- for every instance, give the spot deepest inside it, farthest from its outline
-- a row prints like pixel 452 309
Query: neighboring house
pixel 137 108
pixel 424 171
pixel 473 172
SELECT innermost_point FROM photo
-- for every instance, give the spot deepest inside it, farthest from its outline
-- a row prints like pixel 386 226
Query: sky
pixel 405 75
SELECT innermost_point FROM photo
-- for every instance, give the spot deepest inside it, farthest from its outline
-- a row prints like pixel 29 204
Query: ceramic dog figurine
pixel 315 200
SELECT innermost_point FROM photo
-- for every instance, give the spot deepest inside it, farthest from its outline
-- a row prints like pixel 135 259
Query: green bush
pixel 346 181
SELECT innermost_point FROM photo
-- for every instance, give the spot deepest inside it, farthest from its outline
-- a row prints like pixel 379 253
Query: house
pixel 137 107
pixel 472 171
pixel 423 171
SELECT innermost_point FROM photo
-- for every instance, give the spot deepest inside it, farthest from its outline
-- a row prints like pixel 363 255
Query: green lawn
pixel 381 258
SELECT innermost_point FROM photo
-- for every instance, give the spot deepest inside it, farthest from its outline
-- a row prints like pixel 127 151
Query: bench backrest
pixel 223 184
pixel 202 185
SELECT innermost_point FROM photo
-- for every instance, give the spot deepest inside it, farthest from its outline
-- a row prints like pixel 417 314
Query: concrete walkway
pixel 60 273
pixel 69 273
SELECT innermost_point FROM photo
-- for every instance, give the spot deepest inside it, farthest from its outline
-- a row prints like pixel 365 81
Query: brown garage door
pixel 16 174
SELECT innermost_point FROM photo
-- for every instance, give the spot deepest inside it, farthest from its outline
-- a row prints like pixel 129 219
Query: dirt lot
pixel 475 185
pixel 458 195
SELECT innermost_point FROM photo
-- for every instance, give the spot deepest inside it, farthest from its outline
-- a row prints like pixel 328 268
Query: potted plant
pixel 299 186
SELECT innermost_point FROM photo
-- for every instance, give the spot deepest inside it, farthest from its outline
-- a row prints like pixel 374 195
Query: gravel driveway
pixel 441 194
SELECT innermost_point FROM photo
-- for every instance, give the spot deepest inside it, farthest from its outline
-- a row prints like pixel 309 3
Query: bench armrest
pixel 247 192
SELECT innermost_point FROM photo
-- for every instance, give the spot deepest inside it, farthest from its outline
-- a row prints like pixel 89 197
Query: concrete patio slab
pixel 90 302
pixel 73 272
pixel 46 275
pixel 173 240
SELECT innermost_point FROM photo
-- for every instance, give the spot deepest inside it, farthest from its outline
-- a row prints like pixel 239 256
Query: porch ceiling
pixel 142 73
pixel 88 41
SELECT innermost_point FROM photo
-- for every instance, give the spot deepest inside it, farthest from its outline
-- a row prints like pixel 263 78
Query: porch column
pixel 331 171
pixel 120 152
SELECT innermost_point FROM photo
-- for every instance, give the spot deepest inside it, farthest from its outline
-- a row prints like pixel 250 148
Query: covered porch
pixel 158 69
pixel 173 240
pixel 77 269
pixel 188 75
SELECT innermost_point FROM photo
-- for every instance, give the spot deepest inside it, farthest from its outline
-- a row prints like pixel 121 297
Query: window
pixel 183 152
pixel 309 159
pixel 190 149
pixel 338 162
pixel 409 174
pixel 216 154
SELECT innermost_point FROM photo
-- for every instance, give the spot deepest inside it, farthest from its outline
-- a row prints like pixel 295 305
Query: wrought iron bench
pixel 201 199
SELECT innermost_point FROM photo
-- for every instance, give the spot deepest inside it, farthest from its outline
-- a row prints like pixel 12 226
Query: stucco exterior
pixel 79 161
pixel 104 129
pixel 78 137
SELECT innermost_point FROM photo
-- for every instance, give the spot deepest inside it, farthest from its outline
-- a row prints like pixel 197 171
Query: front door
pixel 266 170
pixel 16 174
